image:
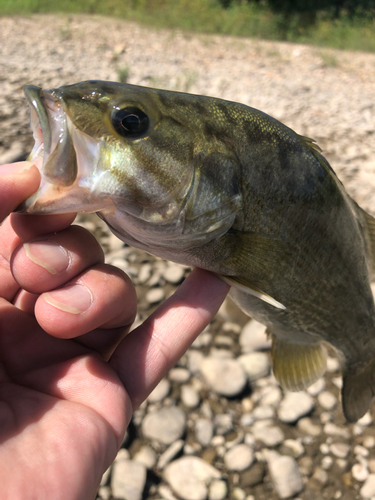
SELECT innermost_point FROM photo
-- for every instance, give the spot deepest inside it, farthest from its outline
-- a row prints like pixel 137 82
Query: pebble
pixel 253 337
pixel 253 476
pixel 239 458
pixel 327 400
pixel 223 423
pixel 334 430
pixel 340 450
pixel 218 490
pixel 270 436
pixel 317 387
pixel 145 273
pixel 204 431
pixel 224 376
pixel 296 448
pixel 285 475
pixel 320 475
pixel 160 392
pixel 365 420
pixel 238 494
pixel 360 472
pixel 146 456
pixel 195 360
pixel 255 364
pixel 263 412
pixel 190 396
pixel 368 489
pixel 333 365
pixel 170 453
pixel 190 477
pixel 128 479
pixel 155 295
pixel 306 425
pixel 294 406
pixel 166 493
pixel 179 375
pixel 165 425
pixel 174 274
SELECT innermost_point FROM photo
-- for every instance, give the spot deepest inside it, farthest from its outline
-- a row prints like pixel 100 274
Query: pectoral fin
pixel 358 390
pixel 245 287
pixel 297 366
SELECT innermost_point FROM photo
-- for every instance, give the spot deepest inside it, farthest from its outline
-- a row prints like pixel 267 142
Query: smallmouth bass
pixel 219 185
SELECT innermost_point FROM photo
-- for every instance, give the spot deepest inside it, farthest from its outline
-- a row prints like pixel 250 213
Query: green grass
pixel 241 19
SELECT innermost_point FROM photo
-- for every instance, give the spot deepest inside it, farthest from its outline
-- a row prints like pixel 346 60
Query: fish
pixel 219 185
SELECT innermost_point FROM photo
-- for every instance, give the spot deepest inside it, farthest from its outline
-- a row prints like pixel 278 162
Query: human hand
pixel 70 376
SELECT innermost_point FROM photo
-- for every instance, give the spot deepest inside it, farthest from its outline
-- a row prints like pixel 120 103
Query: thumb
pixel 18 181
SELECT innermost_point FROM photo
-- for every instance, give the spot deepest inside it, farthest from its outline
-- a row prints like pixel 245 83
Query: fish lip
pixel 36 99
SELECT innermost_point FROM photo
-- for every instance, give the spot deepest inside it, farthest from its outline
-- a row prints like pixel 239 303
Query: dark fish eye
pixel 130 122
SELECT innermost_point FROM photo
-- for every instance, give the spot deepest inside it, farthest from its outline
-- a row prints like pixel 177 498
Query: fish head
pixel 135 155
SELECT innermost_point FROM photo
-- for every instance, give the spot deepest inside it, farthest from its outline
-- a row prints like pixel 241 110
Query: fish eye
pixel 130 122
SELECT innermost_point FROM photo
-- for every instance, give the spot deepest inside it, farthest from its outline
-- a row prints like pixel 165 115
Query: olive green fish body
pixel 215 184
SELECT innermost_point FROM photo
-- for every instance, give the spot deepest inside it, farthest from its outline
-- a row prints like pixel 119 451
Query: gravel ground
pixel 218 426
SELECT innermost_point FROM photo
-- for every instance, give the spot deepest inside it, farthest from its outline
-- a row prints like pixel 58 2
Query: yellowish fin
pixel 297 366
pixel 253 291
pixel 357 391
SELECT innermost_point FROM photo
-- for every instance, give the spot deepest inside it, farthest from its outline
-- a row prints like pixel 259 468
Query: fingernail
pixel 15 168
pixel 54 258
pixel 74 299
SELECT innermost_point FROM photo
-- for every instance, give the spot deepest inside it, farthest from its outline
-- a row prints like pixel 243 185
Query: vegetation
pixel 345 24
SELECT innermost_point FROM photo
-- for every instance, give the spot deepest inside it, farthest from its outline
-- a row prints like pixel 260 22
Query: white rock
pixel 238 494
pixel 365 420
pixel 190 396
pixel 340 450
pixel 224 376
pixel 155 295
pixel 270 436
pixel 204 430
pixel 218 490
pixel 160 392
pixel 165 425
pixel 190 477
pixel 334 430
pixel 295 446
pixel 255 364
pixel 239 458
pixel 285 475
pixel 306 425
pixel 368 489
pixel 180 375
pixel 223 423
pixel 195 360
pixel 174 273
pixel 294 406
pixel 333 365
pixel 253 337
pixel 170 453
pixel 317 387
pixel 146 456
pixel 263 412
pixel 321 476
pixel 327 400
pixel 327 462
pixel 360 472
pixel 128 479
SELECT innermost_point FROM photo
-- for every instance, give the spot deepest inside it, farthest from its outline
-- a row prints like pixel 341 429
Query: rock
pixel 307 426
pixel 190 477
pixel 218 490
pixel 327 400
pixel 229 311
pixel 263 412
pixel 128 479
pixel 179 375
pixel 155 295
pixel 224 376
pixel 360 472
pixel 317 387
pixel 239 458
pixel 190 396
pixel 339 450
pixel 204 430
pixel 165 425
pixel 255 364
pixel 160 392
pixel 285 475
pixel 293 448
pixel 223 423
pixel 146 456
pixel 170 453
pixel 270 436
pixel 195 360
pixel 253 337
pixel 253 476
pixel 334 430
pixel 321 476
pixel 174 273
pixel 368 489
pixel 294 406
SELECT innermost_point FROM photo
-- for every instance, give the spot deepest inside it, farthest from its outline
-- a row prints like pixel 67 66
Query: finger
pixel 45 264
pixel 149 351
pixel 101 297
pixel 18 181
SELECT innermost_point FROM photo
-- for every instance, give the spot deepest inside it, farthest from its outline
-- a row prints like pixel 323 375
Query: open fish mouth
pixel 64 157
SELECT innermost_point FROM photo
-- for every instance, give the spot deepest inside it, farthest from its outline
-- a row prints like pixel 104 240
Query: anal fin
pixel 297 366
pixel 357 391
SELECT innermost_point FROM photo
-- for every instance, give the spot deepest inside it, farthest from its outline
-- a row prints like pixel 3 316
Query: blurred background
pixel 309 64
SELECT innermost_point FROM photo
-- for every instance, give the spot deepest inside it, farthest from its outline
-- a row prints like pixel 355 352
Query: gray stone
pixel 255 364
pixel 170 453
pixel 224 376
pixel 160 392
pixel 190 477
pixel 294 406
pixel 204 430
pixel 128 479
pixel 253 476
pixel 253 337
pixel 285 475
pixel 239 458
pixel 165 425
